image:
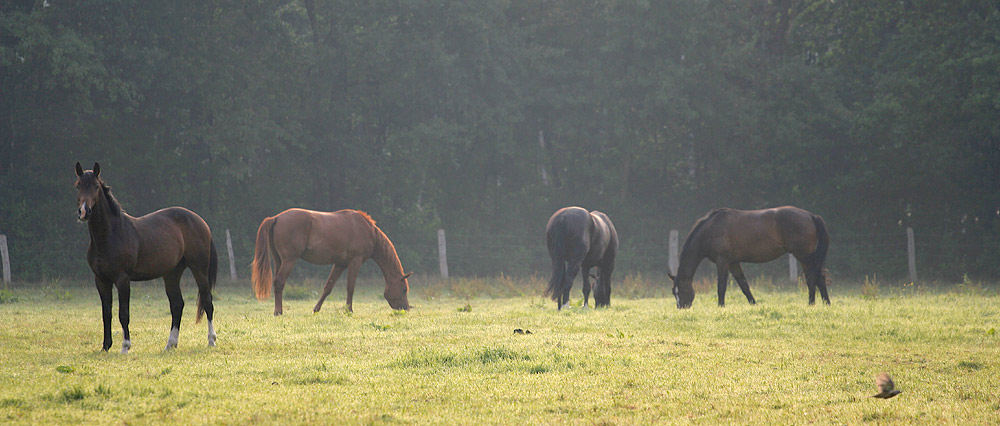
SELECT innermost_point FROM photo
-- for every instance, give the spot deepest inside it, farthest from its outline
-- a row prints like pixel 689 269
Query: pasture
pixel 454 358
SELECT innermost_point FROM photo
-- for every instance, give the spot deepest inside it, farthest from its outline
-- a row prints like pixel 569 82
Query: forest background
pixel 482 117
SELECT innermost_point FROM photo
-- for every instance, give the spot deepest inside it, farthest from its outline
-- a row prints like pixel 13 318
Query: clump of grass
pixel 11 403
pixel 296 293
pixel 466 308
pixel 102 391
pixel 869 290
pixel 379 327
pixel 398 312
pixel 618 334
pixel 634 286
pixel 494 355
pixel 970 365
pixel 65 369
pixel 7 296
pixel 75 393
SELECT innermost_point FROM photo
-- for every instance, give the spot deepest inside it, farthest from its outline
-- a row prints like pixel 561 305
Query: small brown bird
pixel 886 388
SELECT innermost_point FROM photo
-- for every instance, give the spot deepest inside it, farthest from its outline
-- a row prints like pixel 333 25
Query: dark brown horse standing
pixel 160 244
pixel 344 238
pixel 579 240
pixel 728 237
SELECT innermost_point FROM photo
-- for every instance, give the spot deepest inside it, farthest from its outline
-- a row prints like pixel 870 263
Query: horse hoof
pixel 211 341
pixel 170 347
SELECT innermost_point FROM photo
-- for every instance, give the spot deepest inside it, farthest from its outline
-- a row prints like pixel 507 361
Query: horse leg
pixel 352 275
pixel 124 293
pixel 586 287
pixel 571 271
pixel 205 300
pixel 814 279
pixel 603 286
pixel 284 270
pixel 723 272
pixel 821 283
pixel 741 279
pixel 104 290
pixel 330 281
pixel 172 283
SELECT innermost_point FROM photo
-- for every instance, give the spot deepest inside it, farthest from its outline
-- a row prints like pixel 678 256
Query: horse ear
pixel 79 170
pixel 672 277
pixel 407 275
pixel 97 169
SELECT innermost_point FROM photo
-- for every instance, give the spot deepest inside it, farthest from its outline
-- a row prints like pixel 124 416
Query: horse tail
pixel 260 269
pixel 818 256
pixel 213 272
pixel 555 288
pixel 559 264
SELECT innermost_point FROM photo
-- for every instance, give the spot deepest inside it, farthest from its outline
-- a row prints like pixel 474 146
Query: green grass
pixel 454 358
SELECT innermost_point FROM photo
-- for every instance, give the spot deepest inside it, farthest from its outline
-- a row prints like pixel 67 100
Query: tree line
pixel 485 116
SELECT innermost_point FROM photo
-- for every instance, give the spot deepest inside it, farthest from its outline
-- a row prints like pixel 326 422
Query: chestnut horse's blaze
pixel 344 238
pixel 728 237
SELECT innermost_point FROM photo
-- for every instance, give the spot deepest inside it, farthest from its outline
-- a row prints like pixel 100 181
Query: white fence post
pixel 793 269
pixel 6 259
pixel 442 254
pixel 911 254
pixel 232 260
pixel 672 259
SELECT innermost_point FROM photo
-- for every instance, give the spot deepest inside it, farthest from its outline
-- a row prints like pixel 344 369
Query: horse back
pixel 166 237
pixel 568 232
pixel 763 235
pixel 324 237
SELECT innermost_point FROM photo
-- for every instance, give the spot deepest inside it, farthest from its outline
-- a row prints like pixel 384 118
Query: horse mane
pixel 116 208
pixel 366 216
pixel 384 247
pixel 699 225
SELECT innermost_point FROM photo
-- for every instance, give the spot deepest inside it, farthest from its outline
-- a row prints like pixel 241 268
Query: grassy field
pixel 454 358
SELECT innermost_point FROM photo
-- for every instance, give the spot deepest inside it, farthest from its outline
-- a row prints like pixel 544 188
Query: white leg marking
pixel 172 340
pixel 211 334
pixel 126 345
pixel 566 306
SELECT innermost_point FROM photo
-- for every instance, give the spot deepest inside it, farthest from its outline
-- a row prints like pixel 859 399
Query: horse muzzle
pixel 83 212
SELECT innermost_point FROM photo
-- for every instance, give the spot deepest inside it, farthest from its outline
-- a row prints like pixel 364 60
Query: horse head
pixel 88 187
pixel 683 291
pixel 396 291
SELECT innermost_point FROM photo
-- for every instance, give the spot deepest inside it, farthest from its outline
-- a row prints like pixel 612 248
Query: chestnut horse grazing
pixel 728 237
pixel 579 240
pixel 345 238
pixel 160 244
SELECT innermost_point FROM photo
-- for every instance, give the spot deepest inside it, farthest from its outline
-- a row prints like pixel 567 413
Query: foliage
pixel 483 117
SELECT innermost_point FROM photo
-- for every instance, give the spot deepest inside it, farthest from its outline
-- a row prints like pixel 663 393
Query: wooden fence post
pixel 442 254
pixel 232 260
pixel 672 259
pixel 793 269
pixel 6 260
pixel 911 254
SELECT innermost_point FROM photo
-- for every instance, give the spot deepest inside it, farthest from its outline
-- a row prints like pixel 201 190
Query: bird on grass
pixel 886 388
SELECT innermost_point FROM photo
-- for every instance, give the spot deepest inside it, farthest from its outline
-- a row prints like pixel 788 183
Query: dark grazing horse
pixel 160 244
pixel 728 237
pixel 580 240
pixel 345 238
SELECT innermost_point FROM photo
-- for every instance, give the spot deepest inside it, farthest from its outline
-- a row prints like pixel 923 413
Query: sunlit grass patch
pixel 641 361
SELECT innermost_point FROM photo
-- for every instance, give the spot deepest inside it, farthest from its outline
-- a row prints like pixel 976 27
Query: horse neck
pixel 385 257
pixel 691 256
pixel 103 223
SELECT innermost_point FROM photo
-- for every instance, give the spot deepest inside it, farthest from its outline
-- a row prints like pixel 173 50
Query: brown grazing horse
pixel 728 237
pixel 345 238
pixel 160 244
